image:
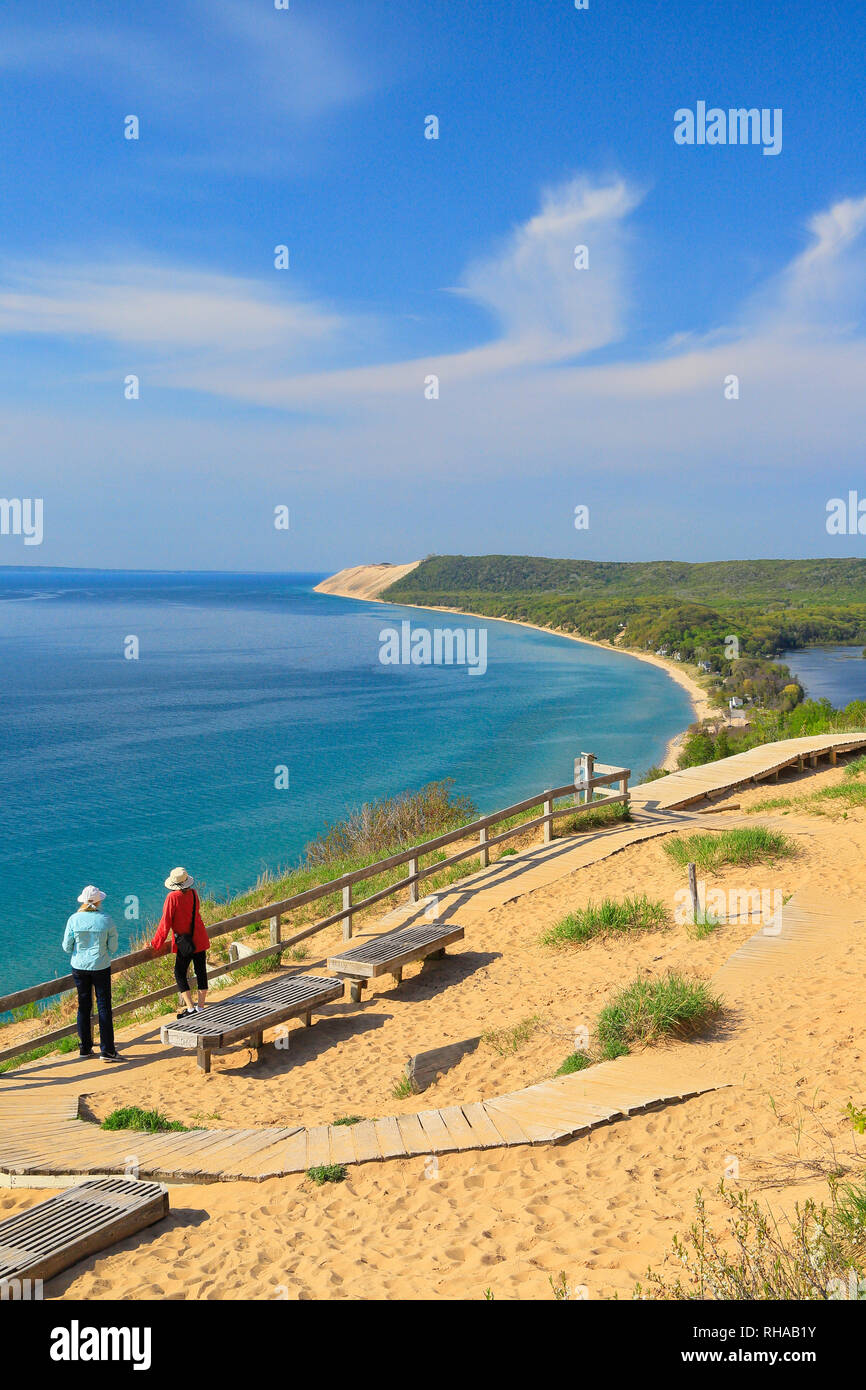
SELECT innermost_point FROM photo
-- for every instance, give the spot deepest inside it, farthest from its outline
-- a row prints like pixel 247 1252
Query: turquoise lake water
pixel 113 771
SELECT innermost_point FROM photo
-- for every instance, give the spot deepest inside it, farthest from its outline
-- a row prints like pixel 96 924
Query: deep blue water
pixel 835 673
pixel 113 771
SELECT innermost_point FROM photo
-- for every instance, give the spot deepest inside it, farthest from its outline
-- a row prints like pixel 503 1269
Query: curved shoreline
pixel 700 701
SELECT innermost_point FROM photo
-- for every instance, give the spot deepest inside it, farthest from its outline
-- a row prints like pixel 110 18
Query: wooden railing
pixel 589 776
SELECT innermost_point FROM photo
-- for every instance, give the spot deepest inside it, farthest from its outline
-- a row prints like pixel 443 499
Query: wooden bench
pixel 386 955
pixel 40 1242
pixel 247 1015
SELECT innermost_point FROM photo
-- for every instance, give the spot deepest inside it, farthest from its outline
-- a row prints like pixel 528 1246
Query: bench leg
pixel 256 1041
pixel 355 988
pixel 398 974
pixel 308 1018
pixel 437 955
pixel 203 1056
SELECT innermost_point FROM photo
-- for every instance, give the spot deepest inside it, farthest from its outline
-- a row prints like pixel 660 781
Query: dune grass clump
pixel 852 794
pixel 646 1010
pixel 575 1061
pixel 148 1121
pixel 327 1172
pixel 856 767
pixel 818 1254
pixel 507 1041
pixel 773 803
pixel 752 844
pixel 383 826
pixel 636 913
pixel 592 820
pixel 348 1120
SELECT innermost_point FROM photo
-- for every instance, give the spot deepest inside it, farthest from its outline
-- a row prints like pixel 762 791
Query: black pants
pixel 181 970
pixel 88 983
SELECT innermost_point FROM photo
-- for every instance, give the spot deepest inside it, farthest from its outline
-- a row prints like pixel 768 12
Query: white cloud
pixel 168 313
pixel 523 400
pixel 541 301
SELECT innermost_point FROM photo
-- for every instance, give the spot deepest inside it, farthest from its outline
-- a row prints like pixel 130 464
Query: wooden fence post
pixel 693 893
pixel 484 851
pixel 548 811
pixel 276 925
pixel 347 920
pixel 413 887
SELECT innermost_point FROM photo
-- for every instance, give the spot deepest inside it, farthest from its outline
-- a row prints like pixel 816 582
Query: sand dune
pixel 599 1208
pixel 365 581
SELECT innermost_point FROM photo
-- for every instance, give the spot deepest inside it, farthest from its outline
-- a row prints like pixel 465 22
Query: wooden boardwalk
pixel 42 1138
pixel 759 764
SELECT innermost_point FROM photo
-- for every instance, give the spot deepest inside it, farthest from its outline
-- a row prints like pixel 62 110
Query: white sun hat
pixel 91 894
pixel 179 878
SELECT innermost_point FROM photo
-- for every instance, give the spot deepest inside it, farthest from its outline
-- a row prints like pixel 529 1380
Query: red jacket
pixel 177 917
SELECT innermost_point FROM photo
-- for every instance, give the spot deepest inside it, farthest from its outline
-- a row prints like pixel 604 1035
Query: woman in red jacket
pixel 181 916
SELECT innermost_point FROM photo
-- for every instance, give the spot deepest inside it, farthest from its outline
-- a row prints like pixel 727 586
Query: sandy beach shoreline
pixel 366 582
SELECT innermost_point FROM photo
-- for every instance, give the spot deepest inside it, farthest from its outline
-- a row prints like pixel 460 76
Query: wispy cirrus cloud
pixel 162 310
pixel 191 75
pixel 532 388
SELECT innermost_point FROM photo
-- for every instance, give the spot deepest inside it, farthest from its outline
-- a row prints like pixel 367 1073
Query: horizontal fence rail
pixel 589 777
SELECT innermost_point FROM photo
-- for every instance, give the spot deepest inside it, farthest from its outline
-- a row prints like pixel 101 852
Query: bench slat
pixel 53 1235
pixel 397 948
pixel 262 1008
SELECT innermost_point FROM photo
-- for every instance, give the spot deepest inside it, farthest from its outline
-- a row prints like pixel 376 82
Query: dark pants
pixel 88 983
pixel 181 970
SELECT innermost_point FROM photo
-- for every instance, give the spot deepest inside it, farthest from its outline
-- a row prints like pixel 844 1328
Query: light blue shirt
pixel 90 938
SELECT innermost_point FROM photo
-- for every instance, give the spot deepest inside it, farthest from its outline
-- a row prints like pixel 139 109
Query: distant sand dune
pixel 365 581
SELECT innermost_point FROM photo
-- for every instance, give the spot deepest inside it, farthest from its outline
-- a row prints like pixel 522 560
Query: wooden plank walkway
pixel 710 780
pixel 42 1138
pixel 543 1114
pixel 788 944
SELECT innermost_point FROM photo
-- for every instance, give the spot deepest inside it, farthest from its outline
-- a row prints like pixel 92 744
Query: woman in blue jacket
pixel 91 938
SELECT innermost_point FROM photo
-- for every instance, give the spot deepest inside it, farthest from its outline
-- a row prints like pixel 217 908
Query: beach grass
pixel 816 1254
pixel 321 1173
pixel 647 1010
pixel 737 846
pixel 608 917
pixel 348 1120
pixel 507 1041
pixel 148 1121
pixel 575 1061
pixel 593 819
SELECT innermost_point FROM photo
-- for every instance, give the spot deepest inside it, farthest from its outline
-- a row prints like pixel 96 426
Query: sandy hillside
pixel 600 1208
pixel 365 581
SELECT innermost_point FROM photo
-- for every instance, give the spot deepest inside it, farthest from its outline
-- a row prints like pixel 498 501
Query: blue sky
pixel 412 257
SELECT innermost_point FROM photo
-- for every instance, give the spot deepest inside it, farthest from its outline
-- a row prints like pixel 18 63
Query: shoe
pixel 186 1013
pixel 110 1057
pixel 91 1053
pixel 198 1009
